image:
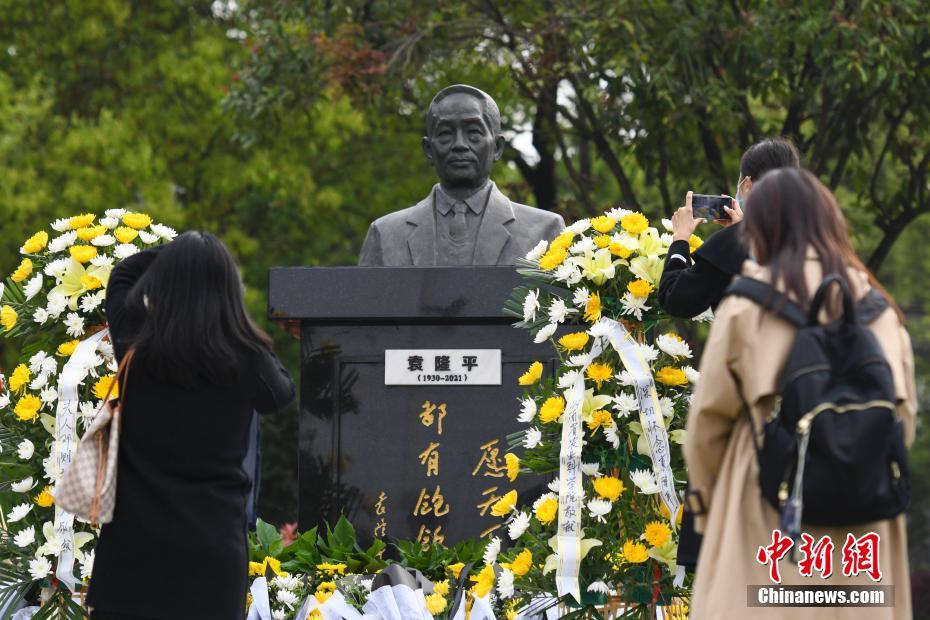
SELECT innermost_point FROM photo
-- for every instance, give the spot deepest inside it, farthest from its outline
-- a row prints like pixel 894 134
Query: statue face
pixel 461 145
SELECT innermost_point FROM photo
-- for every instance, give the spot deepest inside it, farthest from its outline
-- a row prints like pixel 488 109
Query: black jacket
pixel 691 285
pixel 176 547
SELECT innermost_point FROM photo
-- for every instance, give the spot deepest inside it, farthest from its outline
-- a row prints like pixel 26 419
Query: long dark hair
pixel 190 306
pixel 769 154
pixel 790 211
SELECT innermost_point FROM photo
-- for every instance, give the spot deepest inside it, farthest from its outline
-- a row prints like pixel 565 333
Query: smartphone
pixel 710 207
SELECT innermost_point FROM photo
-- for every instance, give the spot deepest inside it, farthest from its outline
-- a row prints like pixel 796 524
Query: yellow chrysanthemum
pixel 455 569
pixel 23 271
pixel 322 595
pixel 547 511
pixel 634 223
pixel 663 510
pixel 435 603
pixel 102 387
pixel 326 586
pixel 20 378
pixel 532 374
pixel 552 258
pixel 65 349
pixel 657 534
pixel 441 587
pixel 273 564
pixel 137 220
pixel 592 309
pixel 80 221
pixel 634 552
pixel 603 223
pixel 608 487
pixel 484 581
pixel 89 233
pixel 124 234
pixel 600 418
pixel 618 249
pixel 574 342
pixel 639 288
pixel 563 241
pixel 522 564
pixel 8 317
pixel 45 499
pixel 82 253
pixel 27 408
pixel 256 569
pixel 504 505
pixel 602 241
pixel 36 243
pixel 331 569
pixel 669 375
pixel 694 242
pixel 552 409
pixel 91 283
pixel 513 466
pixel 599 372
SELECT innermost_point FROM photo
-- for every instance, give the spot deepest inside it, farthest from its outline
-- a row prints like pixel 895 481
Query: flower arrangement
pixel 51 302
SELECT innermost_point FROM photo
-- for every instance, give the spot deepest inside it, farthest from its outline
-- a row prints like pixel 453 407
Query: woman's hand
pixel 683 222
pixel 736 214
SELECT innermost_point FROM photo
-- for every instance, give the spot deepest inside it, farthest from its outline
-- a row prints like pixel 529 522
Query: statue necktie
pixel 458 228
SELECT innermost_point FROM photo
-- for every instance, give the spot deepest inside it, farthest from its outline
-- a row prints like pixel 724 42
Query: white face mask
pixel 740 196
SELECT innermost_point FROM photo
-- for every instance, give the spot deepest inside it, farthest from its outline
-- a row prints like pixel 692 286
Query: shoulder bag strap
pixel 769 298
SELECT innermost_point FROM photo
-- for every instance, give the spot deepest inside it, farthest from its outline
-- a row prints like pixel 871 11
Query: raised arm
pixel 689 287
pixel 275 386
pixel 122 279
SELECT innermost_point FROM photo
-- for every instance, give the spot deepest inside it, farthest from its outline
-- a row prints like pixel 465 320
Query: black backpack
pixel 833 448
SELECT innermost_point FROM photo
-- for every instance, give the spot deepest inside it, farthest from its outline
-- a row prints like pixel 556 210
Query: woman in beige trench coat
pixel 797 232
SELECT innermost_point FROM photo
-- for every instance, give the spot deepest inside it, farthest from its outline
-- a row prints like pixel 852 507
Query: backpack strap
pixel 769 298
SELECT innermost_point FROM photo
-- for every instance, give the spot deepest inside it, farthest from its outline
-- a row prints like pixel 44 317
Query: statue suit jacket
pixel 508 231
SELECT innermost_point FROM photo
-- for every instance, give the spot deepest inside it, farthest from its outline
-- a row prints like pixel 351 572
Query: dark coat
pixel 176 547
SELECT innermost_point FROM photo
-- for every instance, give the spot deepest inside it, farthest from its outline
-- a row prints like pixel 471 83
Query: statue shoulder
pixel 536 215
pixel 398 219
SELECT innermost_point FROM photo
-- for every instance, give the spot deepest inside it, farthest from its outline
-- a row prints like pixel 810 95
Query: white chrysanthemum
pixel 632 305
pixel 625 403
pixel 590 469
pixel 645 481
pixel 553 485
pixel 367 583
pixel 87 565
pixel 49 366
pixel 578 359
pixel 25 537
pixel 110 222
pixel 532 438
pixel 40 316
pixel 530 305
pixel 568 272
pixel 102 260
pixel 618 213
pixel 580 297
pixel 4 403
pixel 105 349
pixel 62 224
pixel 278 614
pixel 56 305
pixel 39 382
pixel 599 508
pixel 87 410
pixel 39 568
pixel 18 513
pixel 125 250
pixel 705 317
pixel 674 346
pixel 600 329
pixel 288 582
pixel 23 486
pixel 599 587
pixel 147 237
pixel 48 465
pixel 545 333
pixel 35 362
pixel 693 375
pixel 558 311
pixel 117 213
pixel 103 241
pixel 286 598
pixel 505 584
pixel 62 242
pixel 2 288
pixel 585 245
pixel 57 267
pixel 89 303
pixel 527 411
pixel 542 498
pixel 533 255
pixel 666 239
pixel 74 324
pixel 166 232
pixel 33 286
pixel 568 379
pixel 610 434
pixel 667 224
pixel 491 550
pixel 49 395
pixel 579 227
pixel 625 378
pixel 518 525
pixel 668 406
pixel 649 352
pixel 25 449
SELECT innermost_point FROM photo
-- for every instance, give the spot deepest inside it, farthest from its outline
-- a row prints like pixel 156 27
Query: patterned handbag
pixel 88 487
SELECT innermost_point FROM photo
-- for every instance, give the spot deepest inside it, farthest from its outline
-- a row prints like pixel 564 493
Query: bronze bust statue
pixel 465 219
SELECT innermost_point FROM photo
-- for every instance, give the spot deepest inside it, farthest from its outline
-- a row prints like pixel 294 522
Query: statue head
pixel 463 136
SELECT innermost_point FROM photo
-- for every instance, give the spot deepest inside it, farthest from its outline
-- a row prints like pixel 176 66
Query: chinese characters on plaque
pixel 442 367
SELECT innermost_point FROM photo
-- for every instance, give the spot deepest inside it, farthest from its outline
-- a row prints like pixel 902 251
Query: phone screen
pixel 710 207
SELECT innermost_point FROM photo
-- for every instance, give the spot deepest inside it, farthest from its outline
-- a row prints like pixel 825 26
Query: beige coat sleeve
pixel 716 405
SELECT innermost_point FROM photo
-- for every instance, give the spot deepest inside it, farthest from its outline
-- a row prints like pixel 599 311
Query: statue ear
pixel 428 149
pixel 499 144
